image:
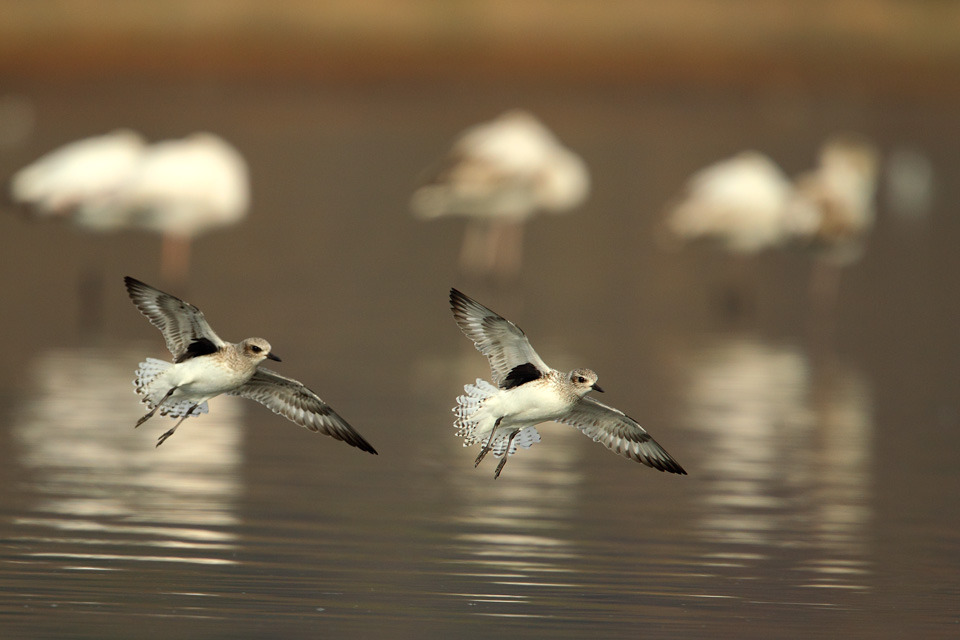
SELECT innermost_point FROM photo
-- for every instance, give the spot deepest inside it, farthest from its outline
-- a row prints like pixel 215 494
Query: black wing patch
pixel 201 347
pixel 521 374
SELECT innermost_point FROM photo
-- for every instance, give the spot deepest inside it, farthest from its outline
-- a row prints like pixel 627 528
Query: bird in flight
pixel 206 366
pixel 528 392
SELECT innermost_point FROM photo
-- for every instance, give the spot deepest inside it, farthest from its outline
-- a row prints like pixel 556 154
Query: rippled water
pixel 821 450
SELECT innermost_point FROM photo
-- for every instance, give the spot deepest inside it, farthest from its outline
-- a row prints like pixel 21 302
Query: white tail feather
pixel 150 393
pixel 150 369
pixel 527 437
pixel 468 423
pixel 475 427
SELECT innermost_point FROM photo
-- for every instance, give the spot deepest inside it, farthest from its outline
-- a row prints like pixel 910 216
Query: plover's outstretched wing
pixel 620 433
pixel 504 343
pixel 182 324
pixel 299 404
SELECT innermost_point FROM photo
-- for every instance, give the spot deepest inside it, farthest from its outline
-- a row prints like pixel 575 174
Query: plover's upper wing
pixel 294 401
pixel 620 433
pixel 181 323
pixel 504 343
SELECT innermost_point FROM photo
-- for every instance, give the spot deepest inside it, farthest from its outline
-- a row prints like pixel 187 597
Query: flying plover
pixel 205 366
pixel 528 392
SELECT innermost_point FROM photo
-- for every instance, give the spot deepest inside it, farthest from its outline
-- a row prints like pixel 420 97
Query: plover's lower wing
pixel 504 343
pixel 297 403
pixel 181 323
pixel 620 433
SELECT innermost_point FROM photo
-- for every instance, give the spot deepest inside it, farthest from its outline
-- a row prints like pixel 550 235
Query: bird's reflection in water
pixel 103 491
pixel 786 458
pixel 507 533
pixel 507 528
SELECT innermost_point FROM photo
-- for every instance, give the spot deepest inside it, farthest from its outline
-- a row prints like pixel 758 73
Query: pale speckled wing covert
pixel 620 433
pixel 297 403
pixel 180 322
pixel 502 342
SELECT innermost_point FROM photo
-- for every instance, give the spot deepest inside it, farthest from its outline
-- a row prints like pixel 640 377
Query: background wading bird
pixel 499 174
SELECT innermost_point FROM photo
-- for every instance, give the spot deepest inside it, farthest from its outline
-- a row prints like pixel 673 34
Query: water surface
pixel 821 448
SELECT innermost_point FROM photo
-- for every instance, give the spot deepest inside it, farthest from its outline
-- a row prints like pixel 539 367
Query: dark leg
pixel 164 437
pixel 506 454
pixel 487 445
pixel 155 407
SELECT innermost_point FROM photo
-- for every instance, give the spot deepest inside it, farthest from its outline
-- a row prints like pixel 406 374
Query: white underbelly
pixel 530 405
pixel 199 378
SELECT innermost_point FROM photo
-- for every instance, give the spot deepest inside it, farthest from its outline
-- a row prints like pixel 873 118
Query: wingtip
pixel 363 445
pixel 133 285
pixel 353 438
pixel 665 463
pixel 671 466
pixel 460 303
pixel 463 306
pixel 457 298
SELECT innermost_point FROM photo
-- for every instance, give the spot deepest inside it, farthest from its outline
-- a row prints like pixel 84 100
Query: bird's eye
pixel 255 348
pixel 581 379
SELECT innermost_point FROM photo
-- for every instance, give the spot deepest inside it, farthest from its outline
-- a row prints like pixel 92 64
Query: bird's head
pixel 258 350
pixel 584 381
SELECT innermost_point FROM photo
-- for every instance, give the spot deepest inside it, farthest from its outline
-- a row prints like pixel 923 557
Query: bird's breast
pixel 534 401
pixel 208 375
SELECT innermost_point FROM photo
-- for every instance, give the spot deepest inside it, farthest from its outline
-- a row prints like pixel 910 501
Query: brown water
pixel 821 447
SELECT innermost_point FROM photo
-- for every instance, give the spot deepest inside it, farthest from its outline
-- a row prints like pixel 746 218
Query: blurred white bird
pixel 182 189
pixel 738 203
pixel 76 180
pixel 178 188
pixel 746 204
pixel 498 174
pixel 831 210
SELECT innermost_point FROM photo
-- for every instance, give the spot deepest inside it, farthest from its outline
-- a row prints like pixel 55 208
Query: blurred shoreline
pixel 875 46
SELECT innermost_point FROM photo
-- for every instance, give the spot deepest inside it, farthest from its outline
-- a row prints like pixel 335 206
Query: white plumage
pixel 178 188
pixel 498 174
pixel 78 180
pixel 831 208
pixel 470 422
pixel 151 385
pixel 746 204
pixel 739 203
pixel 187 187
